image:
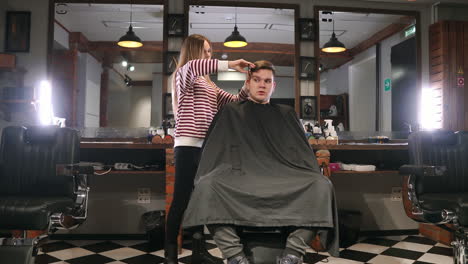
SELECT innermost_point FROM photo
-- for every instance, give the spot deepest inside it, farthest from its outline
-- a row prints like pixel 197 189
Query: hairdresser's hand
pixel 240 65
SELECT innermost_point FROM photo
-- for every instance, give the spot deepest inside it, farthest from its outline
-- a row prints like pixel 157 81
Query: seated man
pixel 257 169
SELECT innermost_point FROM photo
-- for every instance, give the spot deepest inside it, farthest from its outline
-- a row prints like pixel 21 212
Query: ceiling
pixel 353 28
pixel 268 25
pixel 108 22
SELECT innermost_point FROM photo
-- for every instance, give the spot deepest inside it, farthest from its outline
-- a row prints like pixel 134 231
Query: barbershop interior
pixel 346 123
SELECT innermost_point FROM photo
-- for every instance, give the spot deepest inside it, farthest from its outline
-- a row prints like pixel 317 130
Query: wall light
pixel 44 103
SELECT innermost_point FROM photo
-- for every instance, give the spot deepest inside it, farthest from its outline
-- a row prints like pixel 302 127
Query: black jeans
pixel 186 165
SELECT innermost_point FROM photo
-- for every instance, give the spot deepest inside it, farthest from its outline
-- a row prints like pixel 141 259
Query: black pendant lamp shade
pixel 130 39
pixel 235 40
pixel 333 45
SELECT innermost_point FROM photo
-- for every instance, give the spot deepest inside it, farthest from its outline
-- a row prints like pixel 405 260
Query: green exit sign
pixel 410 31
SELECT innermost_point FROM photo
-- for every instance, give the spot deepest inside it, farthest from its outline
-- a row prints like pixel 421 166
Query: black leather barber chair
pixel 436 189
pixel 42 187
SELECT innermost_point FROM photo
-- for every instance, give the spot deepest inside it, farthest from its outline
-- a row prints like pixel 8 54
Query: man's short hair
pixel 263 65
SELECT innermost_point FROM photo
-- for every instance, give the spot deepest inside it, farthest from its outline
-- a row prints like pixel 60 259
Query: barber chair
pixel 436 186
pixel 263 245
pixel 42 187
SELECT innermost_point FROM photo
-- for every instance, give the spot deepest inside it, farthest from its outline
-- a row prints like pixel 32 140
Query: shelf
pixel 131 172
pixel 400 146
pixel 123 145
pixel 326 117
pixel 367 172
pixel 17 101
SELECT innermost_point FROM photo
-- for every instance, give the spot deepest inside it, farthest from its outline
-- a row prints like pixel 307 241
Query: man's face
pixel 261 86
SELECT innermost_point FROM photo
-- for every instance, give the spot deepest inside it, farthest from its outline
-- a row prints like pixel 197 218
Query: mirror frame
pixel 50 42
pixel 295 7
pixel 415 14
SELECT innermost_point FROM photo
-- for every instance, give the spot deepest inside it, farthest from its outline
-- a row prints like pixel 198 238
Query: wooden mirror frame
pixel 317 51
pixel 295 7
pixel 50 43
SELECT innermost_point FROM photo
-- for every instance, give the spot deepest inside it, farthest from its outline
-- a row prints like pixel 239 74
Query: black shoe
pixel 240 259
pixel 170 254
pixel 200 254
pixel 290 259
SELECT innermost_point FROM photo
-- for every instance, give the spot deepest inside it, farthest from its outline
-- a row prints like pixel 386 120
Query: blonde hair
pixel 192 49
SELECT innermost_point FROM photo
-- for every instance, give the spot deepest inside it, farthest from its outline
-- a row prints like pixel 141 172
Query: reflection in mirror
pixel 97 83
pixel 372 86
pixel 270 36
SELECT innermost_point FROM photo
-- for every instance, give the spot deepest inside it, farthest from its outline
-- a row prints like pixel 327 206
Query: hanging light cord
pixel 130 12
pixel 333 24
pixel 235 17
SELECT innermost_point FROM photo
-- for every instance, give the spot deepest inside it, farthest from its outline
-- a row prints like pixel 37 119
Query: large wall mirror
pixel 270 33
pixel 95 81
pixel 374 85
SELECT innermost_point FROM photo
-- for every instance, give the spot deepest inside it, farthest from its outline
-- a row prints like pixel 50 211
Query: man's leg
pixel 298 241
pixel 228 242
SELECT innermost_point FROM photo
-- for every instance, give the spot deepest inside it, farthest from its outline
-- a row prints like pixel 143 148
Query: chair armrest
pixel 80 179
pixel 77 171
pixel 423 170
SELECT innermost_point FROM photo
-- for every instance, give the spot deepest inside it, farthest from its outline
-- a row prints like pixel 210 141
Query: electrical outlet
pixel 144 195
pixel 144 191
pixel 396 195
pixel 144 199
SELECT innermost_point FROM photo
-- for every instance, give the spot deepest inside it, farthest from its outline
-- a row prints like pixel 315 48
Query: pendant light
pixel 333 45
pixel 235 40
pixel 130 39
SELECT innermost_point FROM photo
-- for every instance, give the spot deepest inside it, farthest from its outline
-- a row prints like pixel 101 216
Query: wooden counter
pixel 363 146
pixel 122 145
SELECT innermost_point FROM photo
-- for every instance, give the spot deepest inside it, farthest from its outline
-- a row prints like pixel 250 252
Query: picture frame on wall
pixel 308 106
pixel 18 30
pixel 307 68
pixel 172 57
pixel 307 29
pixel 176 25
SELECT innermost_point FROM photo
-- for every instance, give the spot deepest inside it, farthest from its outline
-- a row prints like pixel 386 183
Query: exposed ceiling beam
pixel 278 54
pixel 151 52
pixel 378 37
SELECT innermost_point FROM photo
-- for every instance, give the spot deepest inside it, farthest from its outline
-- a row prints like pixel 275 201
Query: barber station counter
pixel 387 157
pixel 115 203
pixel 370 192
pixel 367 192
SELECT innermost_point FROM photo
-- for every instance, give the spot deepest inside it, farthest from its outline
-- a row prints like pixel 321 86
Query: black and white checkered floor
pixel 388 250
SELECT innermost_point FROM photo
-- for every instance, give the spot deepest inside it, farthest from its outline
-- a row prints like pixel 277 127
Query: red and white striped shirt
pixel 199 100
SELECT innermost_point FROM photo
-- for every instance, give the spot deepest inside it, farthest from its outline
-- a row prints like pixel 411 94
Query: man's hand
pixel 240 65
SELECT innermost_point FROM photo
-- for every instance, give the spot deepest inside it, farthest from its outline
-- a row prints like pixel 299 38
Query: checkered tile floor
pixel 388 250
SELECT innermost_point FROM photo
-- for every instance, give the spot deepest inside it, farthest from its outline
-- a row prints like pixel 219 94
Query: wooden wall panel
pixel 448 48
pixel 64 83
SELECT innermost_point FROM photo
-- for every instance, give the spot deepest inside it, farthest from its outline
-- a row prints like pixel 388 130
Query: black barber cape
pixel 258 169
